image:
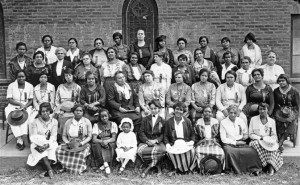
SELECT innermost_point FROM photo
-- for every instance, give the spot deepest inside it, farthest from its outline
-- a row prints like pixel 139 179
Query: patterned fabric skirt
pixel 267 157
pixel 183 161
pixel 151 154
pixel 74 162
pixel 100 155
pixel 205 149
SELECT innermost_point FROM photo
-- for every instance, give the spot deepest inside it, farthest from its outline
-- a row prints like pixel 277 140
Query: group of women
pixel 212 112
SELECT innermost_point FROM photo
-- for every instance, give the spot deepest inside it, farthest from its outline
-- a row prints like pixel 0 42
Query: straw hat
pixel 67 106
pixel 286 115
pixel 73 146
pixel 269 143
pixel 17 117
pixel 180 147
pixel 210 165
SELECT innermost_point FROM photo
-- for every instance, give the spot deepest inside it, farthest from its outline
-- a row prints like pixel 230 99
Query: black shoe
pixel 20 146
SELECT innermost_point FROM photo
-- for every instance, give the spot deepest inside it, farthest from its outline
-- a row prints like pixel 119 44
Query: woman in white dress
pixel 252 50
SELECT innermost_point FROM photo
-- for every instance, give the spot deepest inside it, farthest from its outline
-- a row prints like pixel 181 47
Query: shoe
pixel 61 170
pixel 44 174
pixel 256 173
pixel 121 170
pixel 22 147
pixel 271 171
pixel 107 170
pixel 51 174
pixel 100 169
pixel 170 174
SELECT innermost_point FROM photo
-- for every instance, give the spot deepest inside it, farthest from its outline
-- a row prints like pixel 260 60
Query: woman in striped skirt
pixel 179 137
pixel 207 138
pixel 152 149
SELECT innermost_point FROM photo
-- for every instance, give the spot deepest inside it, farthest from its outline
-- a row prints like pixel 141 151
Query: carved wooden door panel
pixel 140 14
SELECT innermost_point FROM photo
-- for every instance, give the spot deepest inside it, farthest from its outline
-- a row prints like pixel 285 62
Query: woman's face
pixel 249 42
pixel 178 112
pixel 38 59
pixel 203 42
pixel 45 113
pixel 257 76
pixel 21 50
pixel 43 79
pixel 111 54
pixel 117 40
pixel 271 59
pixel 227 59
pixel 47 42
pixel 181 45
pixel 78 113
pixel 282 82
pixel 91 80
pixel 60 55
pixel 204 77
pixel 225 44
pixel 207 113
pixel 72 44
pixel 69 78
pixel 157 59
pixel 245 64
pixel 179 78
pixel 141 35
pixel 162 43
pixel 199 55
pixel 232 114
pixel 120 79
pixel 98 44
pixel 182 61
pixel 126 127
pixel 133 59
pixel 154 110
pixel 148 78
pixel 104 117
pixel 230 79
pixel 86 60
pixel 263 111
pixel 21 78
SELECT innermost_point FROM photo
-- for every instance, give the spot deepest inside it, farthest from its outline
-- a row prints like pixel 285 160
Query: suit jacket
pixel 57 80
pixel 147 132
pixel 170 134
pixel 14 67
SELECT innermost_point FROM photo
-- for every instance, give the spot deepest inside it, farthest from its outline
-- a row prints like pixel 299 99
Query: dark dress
pixel 168 57
pixel 210 55
pixel 189 75
pixel 34 74
pixel 14 67
pixel 55 79
pixel 144 53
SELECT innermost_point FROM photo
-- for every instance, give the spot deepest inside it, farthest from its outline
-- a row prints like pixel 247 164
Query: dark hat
pixel 210 165
pixel 286 114
pixel 73 146
pixel 17 117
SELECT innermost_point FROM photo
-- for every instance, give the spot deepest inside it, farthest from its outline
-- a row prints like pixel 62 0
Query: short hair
pixel 44 72
pixel 47 105
pixel 75 40
pixel 117 34
pixel 197 49
pixel 179 72
pixel 148 72
pixel 284 76
pixel 225 39
pixel 248 58
pixel 155 102
pixel 159 39
pixel 181 39
pixel 264 105
pixel 98 39
pixel 158 53
pixel 183 57
pixel 179 105
pixel 113 48
pixel 88 73
pixel 227 53
pixel 140 29
pixel 103 110
pixel 204 70
pixel 37 53
pixel 249 36
pixel 271 51
pixel 260 70
pixel 231 72
pixel 133 53
pixel 88 54
pixel 118 72
pixel 68 71
pixel 207 106
pixel 60 49
pixel 43 38
pixel 21 44
pixel 203 37
pixel 76 106
pixel 231 107
pixel 21 71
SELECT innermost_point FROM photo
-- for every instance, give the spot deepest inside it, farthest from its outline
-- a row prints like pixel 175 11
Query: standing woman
pixel 272 70
pixel 19 62
pixel 77 134
pixel 48 50
pixel 99 53
pixel 19 96
pixel 144 49
pixel 109 68
pixel 122 49
pixel 82 68
pixel 251 50
pixel 244 76
pixel 286 109
pixel 74 54
pixel 181 43
pixel 227 66
pixel 262 132
pixel 160 44
pixel 92 96
pixel 37 68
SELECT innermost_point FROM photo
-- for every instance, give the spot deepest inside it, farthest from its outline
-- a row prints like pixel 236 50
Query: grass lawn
pixel 289 174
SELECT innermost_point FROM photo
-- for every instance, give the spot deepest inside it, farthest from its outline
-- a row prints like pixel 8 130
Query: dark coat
pixel 57 80
pixel 148 133
pixel 14 67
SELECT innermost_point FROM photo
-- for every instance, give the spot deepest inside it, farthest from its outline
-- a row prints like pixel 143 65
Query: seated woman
pixel 160 44
pixel 123 101
pixel 262 132
pixel 256 93
pixel 227 66
pixel 203 95
pixel 239 157
pixel 179 137
pixel 181 43
pixel 152 149
pixel 67 95
pixel 43 139
pixel 188 71
pixel 251 50
pixel 82 68
pixel 104 141
pixel 244 76
pixel 134 71
pixel 162 71
pixel 286 109
pixel 272 70
pixel 77 134
pixel 178 92
pixel 150 90
pixel 207 143
pixel 92 96
pixel 19 97
pixel 230 93
pixel 38 66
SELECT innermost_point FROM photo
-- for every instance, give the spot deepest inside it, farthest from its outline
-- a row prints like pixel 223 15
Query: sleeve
pixel 34 128
pixel 169 75
pixel 82 96
pixel 9 93
pixel 274 131
pixel 213 95
pixel 271 100
pixel 252 134
pixel 259 57
pixel 223 135
pixel 111 99
pixel 219 98
pixel 101 74
pixel 171 57
pixel 30 92
pixel 191 58
pixel 162 96
pixel 119 140
pixel 142 131
pixel 135 97
pixel 89 128
pixel 35 101
pixel 95 130
pixel 102 98
pixel 141 97
pixel 54 129
pixel 169 102
pixel 114 128
pixel 52 96
pixel 11 72
pixel 245 129
pixel 133 140
pixel 243 97
pixel 188 96
pixel 296 99
pixel 167 131
pixel 248 91
pixel 161 137
pixel 57 97
pixel 193 94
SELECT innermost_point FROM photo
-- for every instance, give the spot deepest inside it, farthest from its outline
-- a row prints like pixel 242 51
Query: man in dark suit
pixel 59 66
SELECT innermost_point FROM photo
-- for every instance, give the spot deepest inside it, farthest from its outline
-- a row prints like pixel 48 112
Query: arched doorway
pixel 139 14
pixel 2 46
